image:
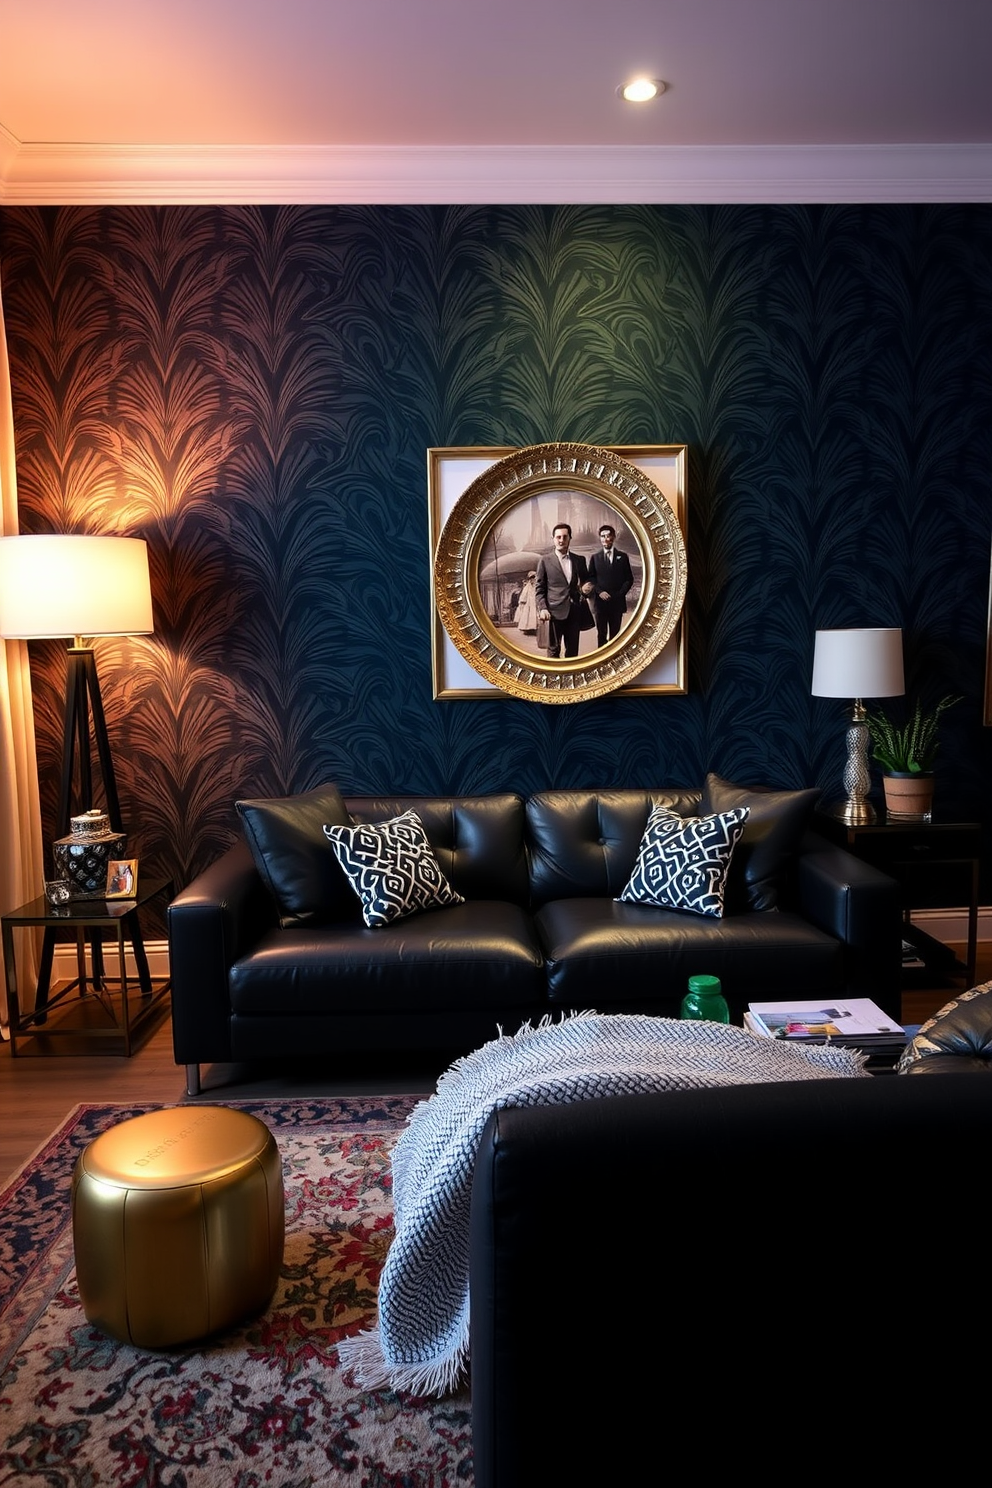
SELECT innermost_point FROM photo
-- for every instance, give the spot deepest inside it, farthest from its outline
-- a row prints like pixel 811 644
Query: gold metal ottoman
pixel 177 1224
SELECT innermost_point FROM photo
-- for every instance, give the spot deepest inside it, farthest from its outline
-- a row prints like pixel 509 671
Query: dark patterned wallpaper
pixel 254 391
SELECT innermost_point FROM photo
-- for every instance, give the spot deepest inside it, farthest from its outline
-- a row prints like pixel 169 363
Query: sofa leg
pixel 192 1079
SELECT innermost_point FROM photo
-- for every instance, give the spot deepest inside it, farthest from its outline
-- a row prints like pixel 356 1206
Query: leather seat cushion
pixel 482 954
pixel 603 954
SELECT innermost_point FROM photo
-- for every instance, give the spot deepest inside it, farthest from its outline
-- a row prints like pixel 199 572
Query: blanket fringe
pixel 362 1355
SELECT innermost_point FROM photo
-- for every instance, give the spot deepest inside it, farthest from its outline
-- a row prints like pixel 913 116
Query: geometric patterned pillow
pixel 392 868
pixel 683 860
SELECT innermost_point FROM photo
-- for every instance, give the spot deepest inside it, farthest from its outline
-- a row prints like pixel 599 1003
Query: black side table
pixel 936 864
pixel 94 1009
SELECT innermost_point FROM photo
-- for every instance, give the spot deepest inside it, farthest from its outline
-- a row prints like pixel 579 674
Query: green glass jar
pixel 705 999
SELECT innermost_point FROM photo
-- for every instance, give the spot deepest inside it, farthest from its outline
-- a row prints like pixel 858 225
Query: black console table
pixel 94 1012
pixel 936 865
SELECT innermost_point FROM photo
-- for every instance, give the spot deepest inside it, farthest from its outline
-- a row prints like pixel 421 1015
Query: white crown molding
pixel 53 174
pixel 9 148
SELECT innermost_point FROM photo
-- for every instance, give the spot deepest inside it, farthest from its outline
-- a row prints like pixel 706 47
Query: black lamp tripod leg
pixel 44 976
pixel 103 744
pixel 75 732
pixel 81 698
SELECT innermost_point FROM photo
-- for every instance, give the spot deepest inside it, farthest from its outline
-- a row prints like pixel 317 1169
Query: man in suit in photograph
pixel 612 578
pixel 562 579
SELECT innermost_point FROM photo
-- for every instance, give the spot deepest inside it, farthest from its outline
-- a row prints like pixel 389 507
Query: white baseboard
pixel 952 924
pixel 157 951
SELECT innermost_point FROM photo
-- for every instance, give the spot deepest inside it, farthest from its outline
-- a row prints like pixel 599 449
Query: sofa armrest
pixel 859 905
pixel 212 922
pixel 643 1250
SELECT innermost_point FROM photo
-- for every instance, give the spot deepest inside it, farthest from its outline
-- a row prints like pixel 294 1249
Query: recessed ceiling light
pixel 641 90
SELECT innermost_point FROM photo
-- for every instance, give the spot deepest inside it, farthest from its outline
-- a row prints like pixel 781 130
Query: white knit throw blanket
pixel 421 1341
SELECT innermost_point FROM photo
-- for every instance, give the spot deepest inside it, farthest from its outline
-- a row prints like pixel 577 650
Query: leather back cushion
pixel 584 844
pixel 759 871
pixel 295 859
pixel 478 840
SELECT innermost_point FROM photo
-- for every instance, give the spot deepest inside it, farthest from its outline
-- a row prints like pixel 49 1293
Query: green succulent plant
pixel 911 748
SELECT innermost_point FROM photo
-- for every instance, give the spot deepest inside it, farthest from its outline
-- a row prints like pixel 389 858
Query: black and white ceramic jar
pixel 82 858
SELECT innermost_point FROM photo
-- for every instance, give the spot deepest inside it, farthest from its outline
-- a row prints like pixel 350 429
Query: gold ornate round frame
pixel 541 470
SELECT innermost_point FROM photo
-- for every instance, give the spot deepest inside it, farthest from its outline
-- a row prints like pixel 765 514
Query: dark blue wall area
pixel 255 390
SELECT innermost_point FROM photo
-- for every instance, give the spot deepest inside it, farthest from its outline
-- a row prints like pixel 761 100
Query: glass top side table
pixel 937 865
pixel 95 1012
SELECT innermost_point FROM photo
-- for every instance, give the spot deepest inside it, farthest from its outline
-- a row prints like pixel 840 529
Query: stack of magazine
pixel 855 1023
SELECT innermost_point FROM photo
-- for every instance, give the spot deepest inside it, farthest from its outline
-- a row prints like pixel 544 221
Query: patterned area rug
pixel 267 1404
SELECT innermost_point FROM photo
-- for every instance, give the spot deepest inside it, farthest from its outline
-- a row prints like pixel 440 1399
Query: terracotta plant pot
pixel 908 796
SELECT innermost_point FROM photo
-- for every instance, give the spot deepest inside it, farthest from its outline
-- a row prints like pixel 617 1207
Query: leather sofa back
pixel 584 843
pixel 478 840
pixel 560 844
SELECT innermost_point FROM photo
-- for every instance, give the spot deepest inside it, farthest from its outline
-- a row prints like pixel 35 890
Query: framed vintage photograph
pixel 493 515
pixel 122 878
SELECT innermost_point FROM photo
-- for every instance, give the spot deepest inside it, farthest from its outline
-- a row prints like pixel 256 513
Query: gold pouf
pixel 178 1224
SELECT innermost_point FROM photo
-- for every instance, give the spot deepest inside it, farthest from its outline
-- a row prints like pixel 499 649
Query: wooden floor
pixel 36 1093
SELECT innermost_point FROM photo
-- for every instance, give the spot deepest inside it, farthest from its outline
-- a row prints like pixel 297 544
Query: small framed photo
pixel 122 878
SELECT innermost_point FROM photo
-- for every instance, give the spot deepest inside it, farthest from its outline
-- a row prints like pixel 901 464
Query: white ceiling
pixel 471 100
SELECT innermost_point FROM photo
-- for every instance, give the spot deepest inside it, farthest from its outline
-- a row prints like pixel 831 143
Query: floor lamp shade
pixel 55 584
pixel 857 664
pixel 58 584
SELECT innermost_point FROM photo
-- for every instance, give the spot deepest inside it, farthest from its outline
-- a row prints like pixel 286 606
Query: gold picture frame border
pixel 655 638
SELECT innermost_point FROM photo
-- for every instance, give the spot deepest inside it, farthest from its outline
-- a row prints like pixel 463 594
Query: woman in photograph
pixel 525 618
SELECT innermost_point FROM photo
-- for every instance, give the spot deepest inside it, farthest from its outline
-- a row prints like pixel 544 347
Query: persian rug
pixel 421 1337
pixel 266 1404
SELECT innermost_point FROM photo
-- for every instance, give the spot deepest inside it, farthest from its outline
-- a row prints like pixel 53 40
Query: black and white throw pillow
pixel 683 860
pixel 392 868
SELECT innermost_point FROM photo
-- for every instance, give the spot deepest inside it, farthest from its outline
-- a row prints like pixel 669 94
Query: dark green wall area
pixel 254 391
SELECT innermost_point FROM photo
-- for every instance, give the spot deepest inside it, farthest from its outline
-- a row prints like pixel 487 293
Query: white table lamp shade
pixel 858 664
pixel 56 584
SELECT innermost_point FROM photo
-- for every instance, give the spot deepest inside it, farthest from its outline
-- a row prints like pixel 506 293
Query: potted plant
pixel 906 755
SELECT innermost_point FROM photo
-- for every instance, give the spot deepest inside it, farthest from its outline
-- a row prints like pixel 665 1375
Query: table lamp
pixel 857 664
pixel 56 584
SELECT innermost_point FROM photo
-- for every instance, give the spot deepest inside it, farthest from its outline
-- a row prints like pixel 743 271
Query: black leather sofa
pixel 758 1283
pixel 270 957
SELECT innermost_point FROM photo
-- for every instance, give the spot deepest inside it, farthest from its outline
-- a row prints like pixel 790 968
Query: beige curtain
pixel 21 856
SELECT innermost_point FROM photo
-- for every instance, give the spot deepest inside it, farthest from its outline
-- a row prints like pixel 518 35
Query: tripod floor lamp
pixel 56 584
